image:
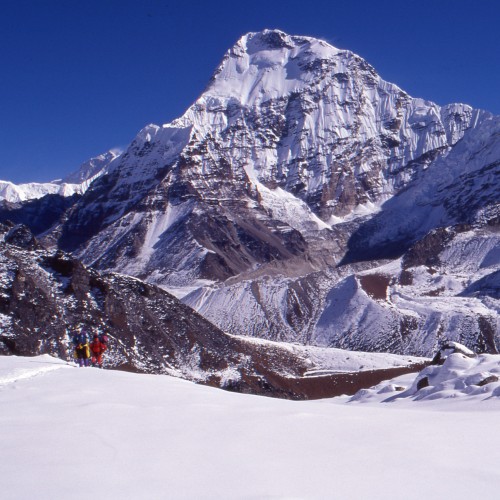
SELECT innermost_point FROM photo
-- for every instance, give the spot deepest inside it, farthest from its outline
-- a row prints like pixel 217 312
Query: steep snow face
pixel 320 122
pixel 77 182
pixel 461 187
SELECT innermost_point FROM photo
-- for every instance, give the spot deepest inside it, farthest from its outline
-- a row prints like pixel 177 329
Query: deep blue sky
pixel 79 77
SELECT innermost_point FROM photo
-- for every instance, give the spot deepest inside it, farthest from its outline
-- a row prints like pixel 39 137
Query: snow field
pixel 80 433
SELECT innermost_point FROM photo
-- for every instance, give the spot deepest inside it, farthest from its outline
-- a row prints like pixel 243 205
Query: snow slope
pixel 86 433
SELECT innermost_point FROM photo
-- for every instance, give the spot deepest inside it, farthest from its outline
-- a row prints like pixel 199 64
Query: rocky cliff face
pixel 46 296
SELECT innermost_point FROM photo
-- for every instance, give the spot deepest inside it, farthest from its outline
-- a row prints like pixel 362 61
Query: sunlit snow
pixel 86 433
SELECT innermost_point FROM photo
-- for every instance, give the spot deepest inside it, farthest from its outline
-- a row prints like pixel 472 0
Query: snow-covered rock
pixel 458 189
pixel 456 373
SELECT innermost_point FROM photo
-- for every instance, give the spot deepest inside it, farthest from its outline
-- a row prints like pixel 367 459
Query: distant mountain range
pixel 77 182
pixel 302 198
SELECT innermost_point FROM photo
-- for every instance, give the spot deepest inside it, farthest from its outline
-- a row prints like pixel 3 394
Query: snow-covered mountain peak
pixel 291 136
pixel 270 39
pixel 277 41
pixel 270 64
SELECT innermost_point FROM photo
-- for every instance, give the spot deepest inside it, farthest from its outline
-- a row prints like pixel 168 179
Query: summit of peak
pixel 271 63
pixel 275 39
pixel 270 39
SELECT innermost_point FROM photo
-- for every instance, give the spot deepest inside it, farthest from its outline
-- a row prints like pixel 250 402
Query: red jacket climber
pixel 97 347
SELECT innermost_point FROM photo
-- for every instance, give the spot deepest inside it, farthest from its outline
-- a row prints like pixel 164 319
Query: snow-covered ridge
pixel 75 183
pixel 15 193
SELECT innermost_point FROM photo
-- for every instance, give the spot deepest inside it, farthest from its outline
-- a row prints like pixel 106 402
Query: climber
pixel 82 351
pixel 98 346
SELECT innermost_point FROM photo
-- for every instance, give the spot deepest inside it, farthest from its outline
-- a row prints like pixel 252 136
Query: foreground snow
pixel 87 433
